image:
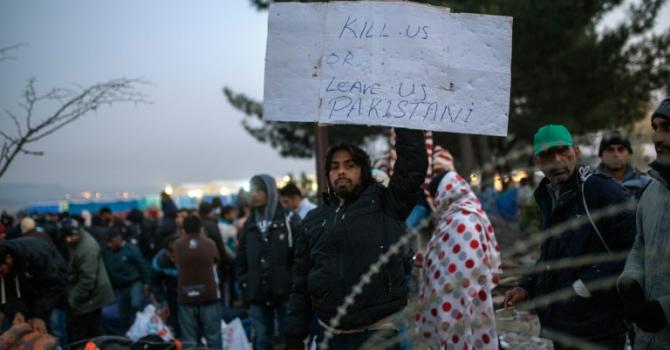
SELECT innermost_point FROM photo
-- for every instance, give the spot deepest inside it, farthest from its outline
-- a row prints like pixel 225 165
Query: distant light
pixel 245 186
pixel 86 195
pixel 225 191
pixel 475 179
pixel 195 193
pixel 124 195
pixel 168 190
pixel 286 179
pixel 498 183
pixel 98 195
pixel 518 175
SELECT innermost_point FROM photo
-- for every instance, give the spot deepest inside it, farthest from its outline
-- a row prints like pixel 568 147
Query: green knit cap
pixel 550 136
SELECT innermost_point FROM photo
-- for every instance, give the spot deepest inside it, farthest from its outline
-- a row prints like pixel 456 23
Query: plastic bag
pixel 233 336
pixel 148 322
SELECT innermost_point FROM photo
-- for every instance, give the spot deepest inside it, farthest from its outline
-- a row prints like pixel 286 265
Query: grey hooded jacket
pixel 648 261
pixel 265 251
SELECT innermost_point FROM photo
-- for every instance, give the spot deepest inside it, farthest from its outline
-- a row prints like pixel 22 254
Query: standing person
pixel 110 221
pixel 164 283
pixel 614 152
pixel 210 224
pixel 198 286
pixel 89 288
pixel 460 268
pixel 129 274
pixel 228 230
pixel 264 260
pixel 568 192
pixel 644 284
pixel 358 222
pixel 168 207
pixel 229 238
pixel 291 198
pixel 34 274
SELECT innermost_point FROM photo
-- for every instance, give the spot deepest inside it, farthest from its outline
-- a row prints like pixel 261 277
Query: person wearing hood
pixel 265 258
pixel 614 152
pixel 359 222
pixel 461 265
pixel 644 284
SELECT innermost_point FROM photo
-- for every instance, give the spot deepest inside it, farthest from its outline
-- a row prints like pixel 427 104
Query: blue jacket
pixel 601 314
pixel 634 181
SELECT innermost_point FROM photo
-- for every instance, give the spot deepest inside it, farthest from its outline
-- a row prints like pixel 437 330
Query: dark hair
pixel 169 239
pixel 226 209
pixel 614 138
pixel 290 190
pixel 105 210
pixel 135 216
pixel 113 232
pixel 204 209
pixel 192 224
pixel 359 157
pixel 258 182
pixel 216 202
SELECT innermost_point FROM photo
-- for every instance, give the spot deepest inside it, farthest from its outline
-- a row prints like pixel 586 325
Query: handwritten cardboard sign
pixel 388 63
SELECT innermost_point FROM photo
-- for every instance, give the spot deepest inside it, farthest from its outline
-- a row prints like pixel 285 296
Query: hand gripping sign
pixel 388 63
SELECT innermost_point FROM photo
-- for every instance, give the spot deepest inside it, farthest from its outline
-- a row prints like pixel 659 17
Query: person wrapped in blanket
pixel 460 267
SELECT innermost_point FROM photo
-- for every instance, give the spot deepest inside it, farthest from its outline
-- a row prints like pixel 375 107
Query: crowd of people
pixel 289 265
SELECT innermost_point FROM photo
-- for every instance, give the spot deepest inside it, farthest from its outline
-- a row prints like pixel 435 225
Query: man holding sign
pixel 396 64
pixel 358 222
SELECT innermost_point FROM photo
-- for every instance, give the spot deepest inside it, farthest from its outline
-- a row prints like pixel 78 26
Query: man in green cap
pixel 570 192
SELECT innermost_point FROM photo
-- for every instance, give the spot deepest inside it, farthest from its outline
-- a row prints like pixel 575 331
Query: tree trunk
pixel 321 145
pixel 468 161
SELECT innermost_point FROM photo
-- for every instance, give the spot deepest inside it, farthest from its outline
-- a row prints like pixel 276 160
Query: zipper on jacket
pixel 339 254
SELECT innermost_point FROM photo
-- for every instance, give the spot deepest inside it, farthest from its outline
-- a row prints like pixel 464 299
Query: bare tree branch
pixel 16 122
pixel 5 50
pixel 32 153
pixel 73 105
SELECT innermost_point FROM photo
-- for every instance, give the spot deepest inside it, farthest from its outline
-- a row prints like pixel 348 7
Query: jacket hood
pixel 263 219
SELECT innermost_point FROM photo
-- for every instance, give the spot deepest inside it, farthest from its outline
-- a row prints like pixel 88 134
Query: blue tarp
pixel 47 208
pixel 116 206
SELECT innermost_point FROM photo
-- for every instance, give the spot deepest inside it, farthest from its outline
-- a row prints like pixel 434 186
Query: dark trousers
pixel 130 300
pixel 610 342
pixel 84 327
pixel 263 320
pixel 355 341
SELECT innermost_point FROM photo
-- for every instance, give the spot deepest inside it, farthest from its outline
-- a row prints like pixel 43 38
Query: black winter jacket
pixel 599 315
pixel 42 275
pixel 340 242
pixel 264 261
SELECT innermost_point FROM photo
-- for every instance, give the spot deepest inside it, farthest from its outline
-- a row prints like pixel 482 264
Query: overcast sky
pixel 189 50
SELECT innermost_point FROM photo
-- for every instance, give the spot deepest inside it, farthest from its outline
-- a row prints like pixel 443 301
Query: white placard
pixel 388 63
